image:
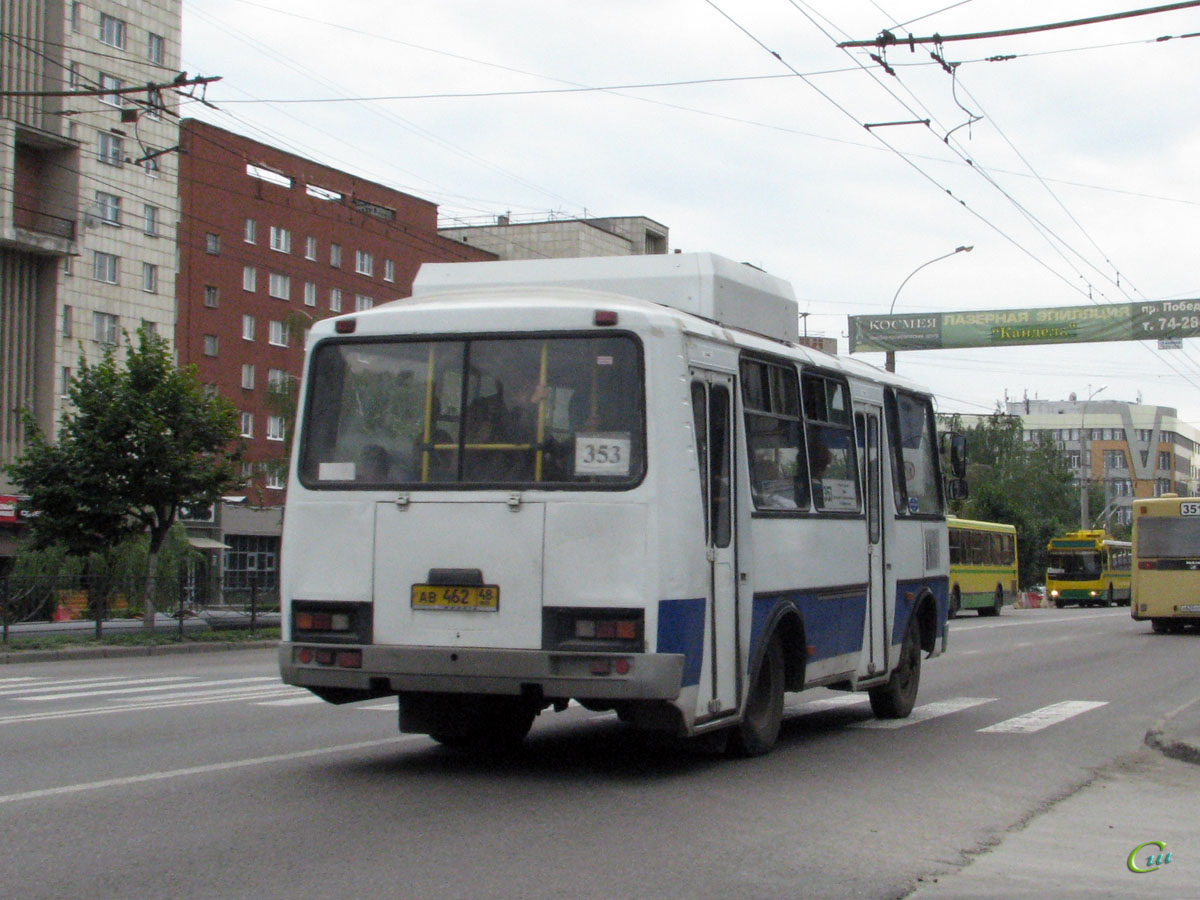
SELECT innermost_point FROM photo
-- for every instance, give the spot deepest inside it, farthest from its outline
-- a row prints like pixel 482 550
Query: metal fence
pixel 99 598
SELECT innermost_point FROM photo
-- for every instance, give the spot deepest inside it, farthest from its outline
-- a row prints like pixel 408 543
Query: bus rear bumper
pixel 455 670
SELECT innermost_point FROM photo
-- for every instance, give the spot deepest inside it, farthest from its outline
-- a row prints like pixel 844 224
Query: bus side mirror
pixel 956 489
pixel 955 447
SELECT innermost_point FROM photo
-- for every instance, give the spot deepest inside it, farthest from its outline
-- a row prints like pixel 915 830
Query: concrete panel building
pixel 87 196
pixel 1131 449
pixel 541 237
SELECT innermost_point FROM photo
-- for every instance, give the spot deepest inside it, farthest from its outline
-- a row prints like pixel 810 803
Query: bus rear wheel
pixel 758 730
pixel 955 602
pixel 997 604
pixel 895 699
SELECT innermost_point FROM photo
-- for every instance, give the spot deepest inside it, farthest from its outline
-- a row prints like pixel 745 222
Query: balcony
pixel 39 185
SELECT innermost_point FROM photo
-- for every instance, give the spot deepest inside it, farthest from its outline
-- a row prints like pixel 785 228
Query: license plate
pixel 484 597
pixel 1192 607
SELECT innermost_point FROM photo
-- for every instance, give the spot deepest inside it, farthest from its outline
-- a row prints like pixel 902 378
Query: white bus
pixel 601 480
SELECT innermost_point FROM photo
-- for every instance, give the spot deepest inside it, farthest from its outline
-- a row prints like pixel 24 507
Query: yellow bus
pixel 983 565
pixel 1166 572
pixel 1088 568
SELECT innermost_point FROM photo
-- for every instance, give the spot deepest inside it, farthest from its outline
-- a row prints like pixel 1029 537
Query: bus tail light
pixel 326 656
pixel 590 629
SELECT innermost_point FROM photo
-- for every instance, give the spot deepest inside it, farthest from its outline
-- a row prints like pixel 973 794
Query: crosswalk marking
pixel 1044 717
pixel 292 701
pixel 927 712
pixel 43 685
pixel 71 695
pixel 115 695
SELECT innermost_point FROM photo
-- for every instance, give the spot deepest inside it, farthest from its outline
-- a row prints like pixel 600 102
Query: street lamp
pixel 1085 475
pixel 890 365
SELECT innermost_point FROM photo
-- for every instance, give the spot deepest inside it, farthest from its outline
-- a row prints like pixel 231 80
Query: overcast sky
pixel 739 124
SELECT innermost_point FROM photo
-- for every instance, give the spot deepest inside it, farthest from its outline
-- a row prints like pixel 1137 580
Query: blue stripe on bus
pixel 681 630
pixel 906 597
pixel 833 624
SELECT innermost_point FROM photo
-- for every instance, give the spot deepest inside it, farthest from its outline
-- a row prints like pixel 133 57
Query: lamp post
pixel 890 364
pixel 1085 462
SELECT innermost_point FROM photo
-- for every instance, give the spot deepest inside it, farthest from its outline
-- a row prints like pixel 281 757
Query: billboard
pixel 1149 320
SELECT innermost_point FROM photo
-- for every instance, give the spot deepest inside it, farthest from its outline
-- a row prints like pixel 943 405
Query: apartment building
pixel 1131 449
pixel 87 196
pixel 551 237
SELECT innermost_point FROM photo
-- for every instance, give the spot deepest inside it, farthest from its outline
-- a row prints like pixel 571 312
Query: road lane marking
pixel 265 694
pixel 926 712
pixel 1044 717
pixel 256 689
pixel 839 702
pixel 203 770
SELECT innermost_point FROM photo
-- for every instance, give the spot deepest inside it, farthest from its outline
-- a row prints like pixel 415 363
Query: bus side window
pixel 774 436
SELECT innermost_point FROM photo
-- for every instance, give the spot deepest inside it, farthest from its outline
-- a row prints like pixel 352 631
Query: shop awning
pixel 203 543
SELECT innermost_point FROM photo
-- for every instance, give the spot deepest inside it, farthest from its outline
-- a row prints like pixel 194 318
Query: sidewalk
pixel 1083 846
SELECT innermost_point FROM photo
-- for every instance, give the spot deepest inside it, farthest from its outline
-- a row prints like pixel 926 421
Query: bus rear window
pixel 1168 537
pixel 562 411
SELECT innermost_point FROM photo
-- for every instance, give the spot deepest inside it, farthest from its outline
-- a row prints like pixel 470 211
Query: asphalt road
pixel 204 777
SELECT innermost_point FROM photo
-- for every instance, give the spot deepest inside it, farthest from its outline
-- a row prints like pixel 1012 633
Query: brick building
pixel 268 243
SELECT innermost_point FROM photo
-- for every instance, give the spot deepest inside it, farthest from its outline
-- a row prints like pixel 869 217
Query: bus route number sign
pixel 602 454
pixel 1189 508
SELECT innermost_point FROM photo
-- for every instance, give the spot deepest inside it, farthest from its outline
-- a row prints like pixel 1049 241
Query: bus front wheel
pixel 896 698
pixel 759 729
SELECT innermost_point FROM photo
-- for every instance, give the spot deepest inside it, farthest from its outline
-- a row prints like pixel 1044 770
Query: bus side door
pixel 867 425
pixel 713 413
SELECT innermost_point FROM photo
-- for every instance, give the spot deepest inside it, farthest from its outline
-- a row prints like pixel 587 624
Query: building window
pixel 1114 459
pixel 66 321
pixel 109 149
pixel 389 270
pixel 335 299
pixel 1164 460
pixel 247 424
pixel 154 47
pixel 310 248
pixel 250 232
pixel 149 278
pixel 150 220
pixel 362 302
pixel 104 267
pixel 108 208
pixel 66 380
pixel 274 479
pixel 364 263
pixel 274 428
pixel 277 380
pixel 281 239
pixel 212 243
pixel 249 278
pixel 335 255
pixel 279 286
pixel 248 376
pixel 310 294
pixel 1162 486
pixel 149 162
pixel 251 561
pixel 1073 458
pixel 277 334
pixel 104 328
pixel 112 31
pixel 211 296
pixel 247 328
pixel 211 345
pixel 114 84
pixel 76 16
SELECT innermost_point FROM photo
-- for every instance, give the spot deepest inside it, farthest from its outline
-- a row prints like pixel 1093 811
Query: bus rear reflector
pixel 604 317
pixel 345 326
pixel 1147 564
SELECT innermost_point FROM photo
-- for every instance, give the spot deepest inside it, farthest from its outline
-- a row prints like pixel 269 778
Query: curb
pixel 116 651
pixel 1164 737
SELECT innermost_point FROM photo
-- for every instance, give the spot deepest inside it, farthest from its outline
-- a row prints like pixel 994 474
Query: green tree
pixel 1029 486
pixel 135 443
